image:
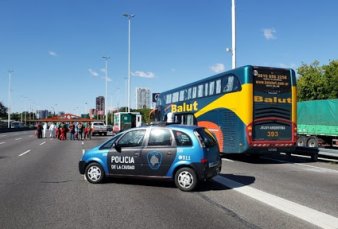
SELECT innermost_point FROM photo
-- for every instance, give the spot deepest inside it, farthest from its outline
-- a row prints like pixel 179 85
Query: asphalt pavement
pixel 40 187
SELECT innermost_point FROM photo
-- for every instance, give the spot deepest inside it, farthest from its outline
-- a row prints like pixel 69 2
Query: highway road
pixel 40 187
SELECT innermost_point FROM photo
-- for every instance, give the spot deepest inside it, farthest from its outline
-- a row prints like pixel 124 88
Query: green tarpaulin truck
pixel 317 123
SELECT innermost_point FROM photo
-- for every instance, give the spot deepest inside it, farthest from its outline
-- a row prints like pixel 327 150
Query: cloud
pixel 282 65
pixel 269 33
pixel 51 53
pixel 104 78
pixel 217 68
pixel 142 74
pixel 93 73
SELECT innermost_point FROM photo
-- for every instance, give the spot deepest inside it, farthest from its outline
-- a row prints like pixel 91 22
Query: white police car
pixel 186 154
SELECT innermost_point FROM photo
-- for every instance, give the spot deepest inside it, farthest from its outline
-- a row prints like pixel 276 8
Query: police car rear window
pixel 208 139
pixel 182 139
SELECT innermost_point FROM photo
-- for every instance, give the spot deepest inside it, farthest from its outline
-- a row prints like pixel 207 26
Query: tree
pixel 317 82
pixel 3 110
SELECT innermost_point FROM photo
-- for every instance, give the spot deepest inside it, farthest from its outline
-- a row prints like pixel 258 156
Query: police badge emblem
pixel 154 160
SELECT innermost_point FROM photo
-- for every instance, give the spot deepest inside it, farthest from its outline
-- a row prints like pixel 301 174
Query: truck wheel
pixel 186 179
pixel 312 142
pixel 94 173
pixel 301 141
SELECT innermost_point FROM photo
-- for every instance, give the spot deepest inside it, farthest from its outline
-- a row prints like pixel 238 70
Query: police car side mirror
pixel 117 147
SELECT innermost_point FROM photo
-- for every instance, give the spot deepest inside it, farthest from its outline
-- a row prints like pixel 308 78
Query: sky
pixel 53 49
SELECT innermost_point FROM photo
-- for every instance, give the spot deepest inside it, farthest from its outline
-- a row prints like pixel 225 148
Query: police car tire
pixel 94 173
pixel 186 179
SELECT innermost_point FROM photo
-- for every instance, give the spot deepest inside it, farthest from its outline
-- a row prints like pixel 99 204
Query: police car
pixel 186 154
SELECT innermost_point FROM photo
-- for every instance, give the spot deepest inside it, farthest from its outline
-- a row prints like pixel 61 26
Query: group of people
pixel 61 131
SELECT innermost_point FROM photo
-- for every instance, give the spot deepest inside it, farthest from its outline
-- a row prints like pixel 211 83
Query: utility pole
pixel 106 58
pixel 9 98
pixel 232 50
pixel 233 9
pixel 129 16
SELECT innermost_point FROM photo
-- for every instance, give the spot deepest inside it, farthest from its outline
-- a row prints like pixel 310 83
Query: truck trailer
pixel 317 123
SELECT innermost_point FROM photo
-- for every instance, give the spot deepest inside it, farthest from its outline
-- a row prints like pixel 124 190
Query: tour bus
pixel 249 109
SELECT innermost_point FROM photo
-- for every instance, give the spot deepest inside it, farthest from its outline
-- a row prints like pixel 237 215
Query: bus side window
pixel 218 86
pixel 200 91
pixel 168 99
pixel 189 93
pixel 194 92
pixel 228 83
pixel 211 87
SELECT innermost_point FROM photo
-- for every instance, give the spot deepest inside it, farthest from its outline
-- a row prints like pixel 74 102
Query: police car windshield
pixel 110 142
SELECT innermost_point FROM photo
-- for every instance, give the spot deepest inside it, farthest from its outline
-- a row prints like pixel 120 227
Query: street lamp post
pixel 129 16
pixel 9 98
pixel 106 58
pixel 232 50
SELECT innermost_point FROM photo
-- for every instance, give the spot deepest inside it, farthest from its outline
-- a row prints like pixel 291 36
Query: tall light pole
pixel 232 50
pixel 233 26
pixel 106 58
pixel 9 98
pixel 129 16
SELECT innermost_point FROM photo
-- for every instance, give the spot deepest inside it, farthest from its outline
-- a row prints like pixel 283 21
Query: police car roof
pixel 185 127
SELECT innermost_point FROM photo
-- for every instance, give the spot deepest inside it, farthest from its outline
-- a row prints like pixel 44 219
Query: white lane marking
pixel 318 169
pixel 27 151
pixel 300 211
pixel 327 159
pixel 2 143
pixel 42 143
pixel 82 143
pixel 313 168
pixel 3 135
pixel 18 139
pixel 226 159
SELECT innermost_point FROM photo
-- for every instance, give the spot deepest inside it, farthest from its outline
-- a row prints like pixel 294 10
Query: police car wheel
pixel 94 173
pixel 186 179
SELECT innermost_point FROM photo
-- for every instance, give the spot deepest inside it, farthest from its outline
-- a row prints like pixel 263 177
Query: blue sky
pixel 55 47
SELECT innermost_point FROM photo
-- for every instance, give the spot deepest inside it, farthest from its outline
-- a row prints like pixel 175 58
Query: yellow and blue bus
pixel 249 109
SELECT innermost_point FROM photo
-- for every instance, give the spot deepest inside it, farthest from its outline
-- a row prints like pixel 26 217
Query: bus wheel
pixel 301 141
pixel 312 142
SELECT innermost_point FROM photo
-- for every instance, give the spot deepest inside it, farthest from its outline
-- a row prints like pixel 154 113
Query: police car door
pixel 125 158
pixel 159 154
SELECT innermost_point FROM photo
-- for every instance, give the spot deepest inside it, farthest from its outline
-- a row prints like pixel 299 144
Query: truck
pixel 317 123
pixel 126 120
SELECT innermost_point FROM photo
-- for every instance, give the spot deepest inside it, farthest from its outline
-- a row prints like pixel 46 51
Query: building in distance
pixel 143 98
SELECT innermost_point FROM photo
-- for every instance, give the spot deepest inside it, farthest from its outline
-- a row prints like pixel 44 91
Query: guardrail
pixel 315 152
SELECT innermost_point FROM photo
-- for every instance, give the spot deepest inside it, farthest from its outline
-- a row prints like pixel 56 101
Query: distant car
pixel 99 128
pixel 186 154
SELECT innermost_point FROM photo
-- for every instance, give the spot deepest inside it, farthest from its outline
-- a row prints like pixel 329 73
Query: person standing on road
pixel 90 131
pixel 52 130
pixel 39 130
pixel 45 127
pixel 80 129
pixel 72 131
